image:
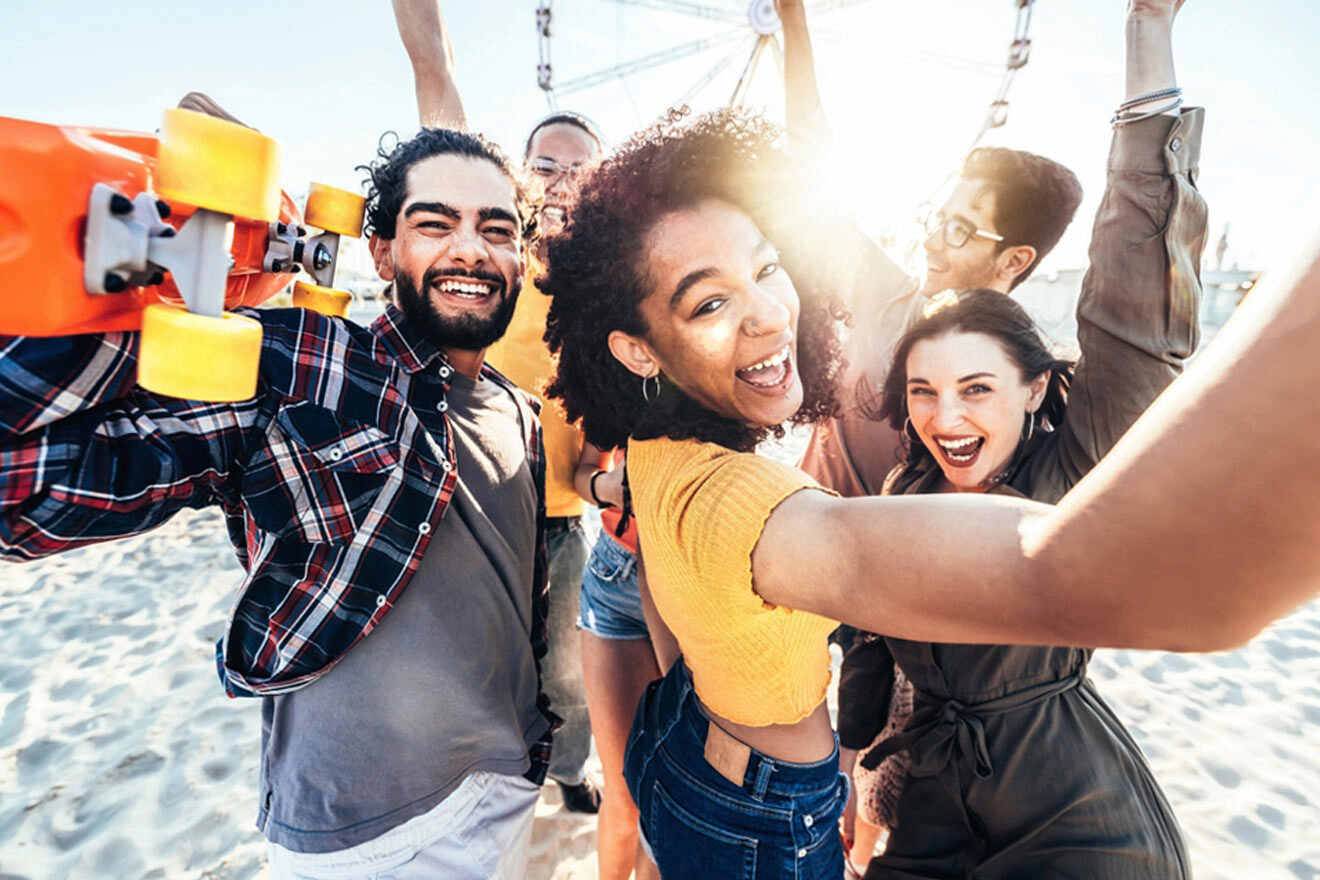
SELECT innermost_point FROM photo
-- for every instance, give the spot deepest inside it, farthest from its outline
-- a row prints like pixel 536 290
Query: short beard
pixel 465 333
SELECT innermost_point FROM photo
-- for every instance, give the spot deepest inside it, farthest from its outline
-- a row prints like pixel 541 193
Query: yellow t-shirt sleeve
pixel 717 508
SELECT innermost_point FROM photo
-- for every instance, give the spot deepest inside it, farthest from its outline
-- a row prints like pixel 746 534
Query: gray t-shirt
pixel 446 685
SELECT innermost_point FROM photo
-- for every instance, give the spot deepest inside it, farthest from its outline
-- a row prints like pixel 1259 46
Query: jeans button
pixel 808 821
pixel 802 853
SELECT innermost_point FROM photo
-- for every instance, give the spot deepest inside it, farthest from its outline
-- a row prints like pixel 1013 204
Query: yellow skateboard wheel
pixel 218 165
pixel 325 300
pixel 335 210
pixel 199 358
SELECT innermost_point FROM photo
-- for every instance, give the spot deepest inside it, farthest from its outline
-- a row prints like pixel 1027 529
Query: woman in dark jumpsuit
pixel 1017 766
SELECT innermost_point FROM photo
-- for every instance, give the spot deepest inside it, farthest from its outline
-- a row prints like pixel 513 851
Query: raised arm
pixel 1137 318
pixel 426 40
pixel 805 115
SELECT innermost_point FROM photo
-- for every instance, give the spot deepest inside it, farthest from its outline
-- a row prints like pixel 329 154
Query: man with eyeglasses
pixel 1008 209
pixel 557 149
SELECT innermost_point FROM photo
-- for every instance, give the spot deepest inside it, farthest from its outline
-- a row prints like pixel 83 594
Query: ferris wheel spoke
pixel 832 5
pixel 646 62
pixel 745 81
pixel 684 7
pixel 706 79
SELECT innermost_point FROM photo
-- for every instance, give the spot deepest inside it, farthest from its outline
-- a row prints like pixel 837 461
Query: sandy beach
pixel 120 757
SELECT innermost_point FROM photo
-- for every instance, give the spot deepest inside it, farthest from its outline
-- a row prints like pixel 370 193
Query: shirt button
pixel 1175 144
pixel 380 600
pixel 336 454
pixel 442 406
pixel 424 528
pixel 808 821
pixel 445 465
pixel 802 853
pixel 445 372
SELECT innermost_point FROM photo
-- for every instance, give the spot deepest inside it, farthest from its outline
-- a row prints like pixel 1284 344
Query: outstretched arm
pixel 426 40
pixel 1190 535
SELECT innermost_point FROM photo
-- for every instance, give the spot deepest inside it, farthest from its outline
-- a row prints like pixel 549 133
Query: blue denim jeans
pixel 780 824
pixel 611 606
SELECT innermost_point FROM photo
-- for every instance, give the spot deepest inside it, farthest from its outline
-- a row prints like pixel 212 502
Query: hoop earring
pixel 907 425
pixel 646 391
pixel 1031 425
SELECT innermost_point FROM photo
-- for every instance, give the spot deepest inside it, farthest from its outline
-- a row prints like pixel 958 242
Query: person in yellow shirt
pixel 557 149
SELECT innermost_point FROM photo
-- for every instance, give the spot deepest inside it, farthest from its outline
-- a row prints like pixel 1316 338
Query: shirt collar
pixel 404 340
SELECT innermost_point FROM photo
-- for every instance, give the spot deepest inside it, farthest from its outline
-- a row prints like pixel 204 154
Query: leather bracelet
pixel 591 485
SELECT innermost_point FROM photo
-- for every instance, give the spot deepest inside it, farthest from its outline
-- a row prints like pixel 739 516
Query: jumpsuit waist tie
pixel 941 730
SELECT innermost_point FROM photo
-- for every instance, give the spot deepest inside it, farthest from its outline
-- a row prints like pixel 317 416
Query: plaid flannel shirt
pixel 331 479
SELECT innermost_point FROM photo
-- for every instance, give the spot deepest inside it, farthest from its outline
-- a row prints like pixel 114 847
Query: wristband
pixel 592 487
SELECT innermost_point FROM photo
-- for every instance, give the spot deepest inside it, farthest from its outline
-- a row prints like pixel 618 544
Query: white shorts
pixel 480 832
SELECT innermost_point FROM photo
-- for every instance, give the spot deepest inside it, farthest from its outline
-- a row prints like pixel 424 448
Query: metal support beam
pixel 683 7
pixel 646 62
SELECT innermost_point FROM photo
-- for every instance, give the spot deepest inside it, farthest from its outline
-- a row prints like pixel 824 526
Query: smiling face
pixel 554 148
pixel 722 316
pixel 967 401
pixel 980 263
pixel 456 256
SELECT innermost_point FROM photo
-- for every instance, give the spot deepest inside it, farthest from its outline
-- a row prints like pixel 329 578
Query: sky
pixel 905 86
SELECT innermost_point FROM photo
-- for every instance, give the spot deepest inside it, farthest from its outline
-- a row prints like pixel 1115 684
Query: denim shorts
pixel 611 606
pixel 782 822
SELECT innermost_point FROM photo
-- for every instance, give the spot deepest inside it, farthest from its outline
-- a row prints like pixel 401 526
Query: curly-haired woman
pixel 681 336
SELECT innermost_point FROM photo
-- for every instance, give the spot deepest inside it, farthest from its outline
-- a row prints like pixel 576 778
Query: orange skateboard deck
pixel 47 173
pixel 106 230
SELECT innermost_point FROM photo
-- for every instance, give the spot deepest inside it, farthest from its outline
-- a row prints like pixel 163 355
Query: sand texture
pixel 120 757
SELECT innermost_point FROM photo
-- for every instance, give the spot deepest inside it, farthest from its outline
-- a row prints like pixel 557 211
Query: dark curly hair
pixel 1035 198
pixel 972 311
pixel 598 275
pixel 387 175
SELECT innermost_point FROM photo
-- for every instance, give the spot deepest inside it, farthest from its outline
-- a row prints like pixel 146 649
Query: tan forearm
pixel 1149 53
pixel 948 568
pixel 803 111
pixel 1201 524
pixel 426 40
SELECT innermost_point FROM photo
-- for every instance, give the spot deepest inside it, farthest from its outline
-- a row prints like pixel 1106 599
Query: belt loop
pixel 763 773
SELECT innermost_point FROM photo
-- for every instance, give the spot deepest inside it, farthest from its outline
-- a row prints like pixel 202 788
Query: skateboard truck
pixel 128 244
pixel 288 249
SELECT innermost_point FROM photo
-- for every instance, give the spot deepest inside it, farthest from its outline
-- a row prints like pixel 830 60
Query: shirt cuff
pixel 1162 144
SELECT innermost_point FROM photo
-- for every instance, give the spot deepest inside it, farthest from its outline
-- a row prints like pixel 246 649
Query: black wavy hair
pixel 1035 198
pixel 387 174
pixel 598 275
pixel 972 311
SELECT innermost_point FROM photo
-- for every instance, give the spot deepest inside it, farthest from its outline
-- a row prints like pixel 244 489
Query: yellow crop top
pixel 700 511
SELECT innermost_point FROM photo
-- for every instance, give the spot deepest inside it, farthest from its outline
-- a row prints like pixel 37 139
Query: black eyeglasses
pixel 957 230
pixel 551 170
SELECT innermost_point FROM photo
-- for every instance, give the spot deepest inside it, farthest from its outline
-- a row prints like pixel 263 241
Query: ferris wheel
pixel 744 32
